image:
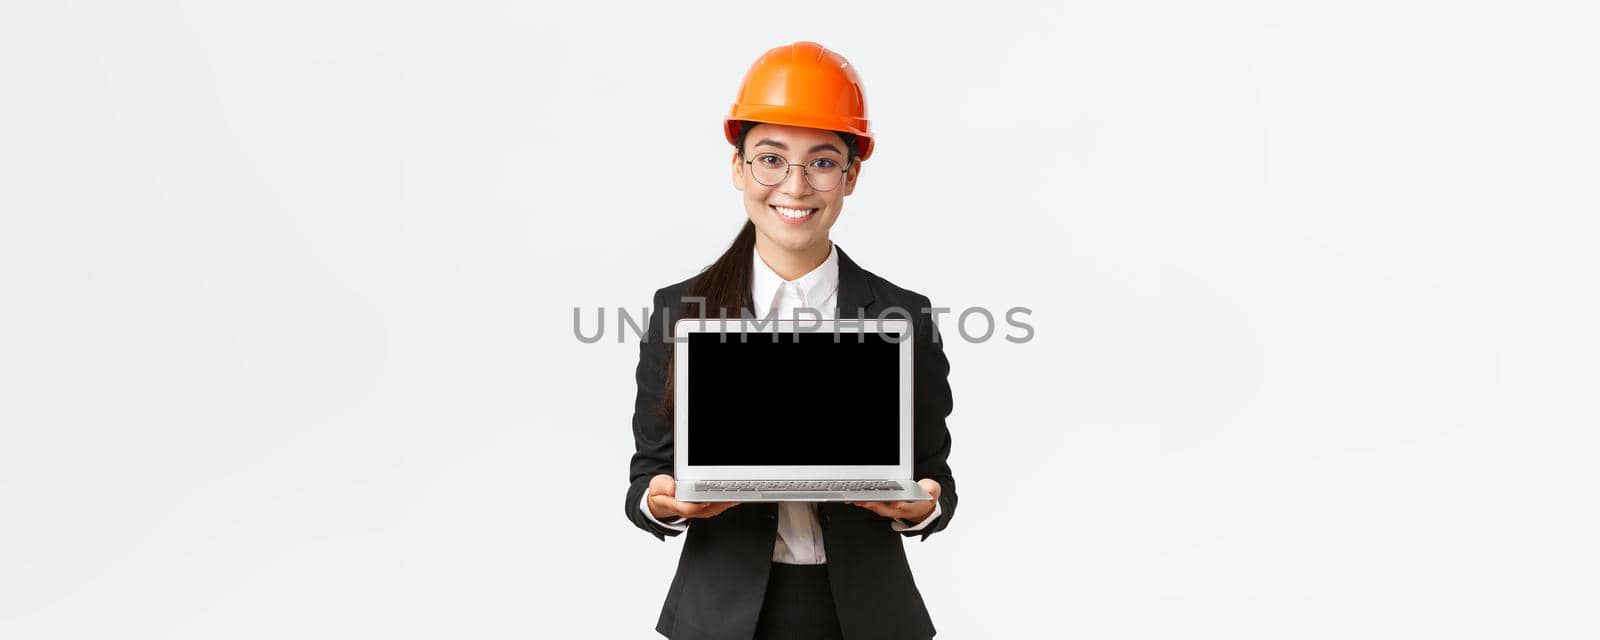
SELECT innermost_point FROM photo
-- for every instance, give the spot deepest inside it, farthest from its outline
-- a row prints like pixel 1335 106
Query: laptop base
pixel 912 493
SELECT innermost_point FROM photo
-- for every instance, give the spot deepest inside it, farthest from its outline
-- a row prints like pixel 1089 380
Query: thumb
pixel 663 485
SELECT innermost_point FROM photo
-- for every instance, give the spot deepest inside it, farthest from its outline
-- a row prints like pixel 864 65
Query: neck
pixel 790 265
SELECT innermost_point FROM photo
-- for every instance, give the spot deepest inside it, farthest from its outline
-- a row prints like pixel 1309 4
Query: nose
pixel 795 182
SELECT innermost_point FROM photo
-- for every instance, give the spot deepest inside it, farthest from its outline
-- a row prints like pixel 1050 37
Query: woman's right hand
pixel 663 506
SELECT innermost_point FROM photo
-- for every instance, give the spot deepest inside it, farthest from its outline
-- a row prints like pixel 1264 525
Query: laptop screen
pixel 787 398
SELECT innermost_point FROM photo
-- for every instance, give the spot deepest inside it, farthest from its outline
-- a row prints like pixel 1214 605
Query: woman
pixel 791 570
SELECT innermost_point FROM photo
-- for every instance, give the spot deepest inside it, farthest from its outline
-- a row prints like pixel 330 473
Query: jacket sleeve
pixel 652 436
pixel 931 405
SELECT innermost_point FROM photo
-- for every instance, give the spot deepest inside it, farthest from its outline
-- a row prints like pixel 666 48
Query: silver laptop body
pixel 763 442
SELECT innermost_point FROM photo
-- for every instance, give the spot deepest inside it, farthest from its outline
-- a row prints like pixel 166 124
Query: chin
pixel 789 239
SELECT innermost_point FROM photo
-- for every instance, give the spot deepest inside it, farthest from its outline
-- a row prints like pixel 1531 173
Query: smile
pixel 793 216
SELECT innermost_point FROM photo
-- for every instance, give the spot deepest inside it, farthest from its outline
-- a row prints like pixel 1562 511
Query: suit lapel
pixel 854 296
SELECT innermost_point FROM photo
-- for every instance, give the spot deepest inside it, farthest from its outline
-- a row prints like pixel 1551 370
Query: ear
pixel 850 178
pixel 738 171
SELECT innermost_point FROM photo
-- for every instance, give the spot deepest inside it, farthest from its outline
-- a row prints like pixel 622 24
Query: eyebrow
pixel 821 147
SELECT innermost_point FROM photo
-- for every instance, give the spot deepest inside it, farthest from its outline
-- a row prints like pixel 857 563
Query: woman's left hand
pixel 906 510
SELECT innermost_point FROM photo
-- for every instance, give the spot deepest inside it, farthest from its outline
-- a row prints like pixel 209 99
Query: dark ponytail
pixel 725 285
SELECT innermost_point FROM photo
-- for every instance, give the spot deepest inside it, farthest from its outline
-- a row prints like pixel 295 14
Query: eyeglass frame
pixel 804 171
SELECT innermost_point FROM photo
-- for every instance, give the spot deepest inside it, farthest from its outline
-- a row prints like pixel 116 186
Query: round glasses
pixel 771 169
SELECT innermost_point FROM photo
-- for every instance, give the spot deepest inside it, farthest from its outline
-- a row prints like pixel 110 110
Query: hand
pixel 911 511
pixel 664 507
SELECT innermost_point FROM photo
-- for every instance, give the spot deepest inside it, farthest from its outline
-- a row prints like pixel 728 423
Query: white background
pixel 287 349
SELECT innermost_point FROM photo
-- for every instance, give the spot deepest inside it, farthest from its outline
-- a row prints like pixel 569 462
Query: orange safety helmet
pixel 803 85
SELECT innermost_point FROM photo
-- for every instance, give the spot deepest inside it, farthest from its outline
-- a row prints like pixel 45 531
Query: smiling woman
pixel 812 570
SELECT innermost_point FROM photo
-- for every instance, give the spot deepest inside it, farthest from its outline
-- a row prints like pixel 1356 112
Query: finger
pixel 899 509
pixel 716 508
pixel 708 510
pixel 880 508
pixel 667 505
pixel 692 509
pixel 704 509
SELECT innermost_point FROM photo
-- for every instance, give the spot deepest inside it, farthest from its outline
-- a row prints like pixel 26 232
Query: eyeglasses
pixel 771 169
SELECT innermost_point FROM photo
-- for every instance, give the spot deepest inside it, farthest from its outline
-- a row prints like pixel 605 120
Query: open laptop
pixel 800 410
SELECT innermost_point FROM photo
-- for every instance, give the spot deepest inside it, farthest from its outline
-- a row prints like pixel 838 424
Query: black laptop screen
pixel 786 398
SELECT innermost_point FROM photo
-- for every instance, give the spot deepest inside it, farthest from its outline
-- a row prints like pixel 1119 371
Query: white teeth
pixel 793 213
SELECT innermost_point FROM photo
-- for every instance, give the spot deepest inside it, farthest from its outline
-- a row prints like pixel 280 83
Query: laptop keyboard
pixel 797 485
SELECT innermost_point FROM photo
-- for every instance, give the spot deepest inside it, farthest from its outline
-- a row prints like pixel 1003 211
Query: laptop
pixel 800 410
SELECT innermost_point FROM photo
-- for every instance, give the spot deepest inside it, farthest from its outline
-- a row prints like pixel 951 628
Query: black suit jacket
pixel 721 578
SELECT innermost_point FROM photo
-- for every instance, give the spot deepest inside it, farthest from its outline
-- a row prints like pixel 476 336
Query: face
pixel 766 205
